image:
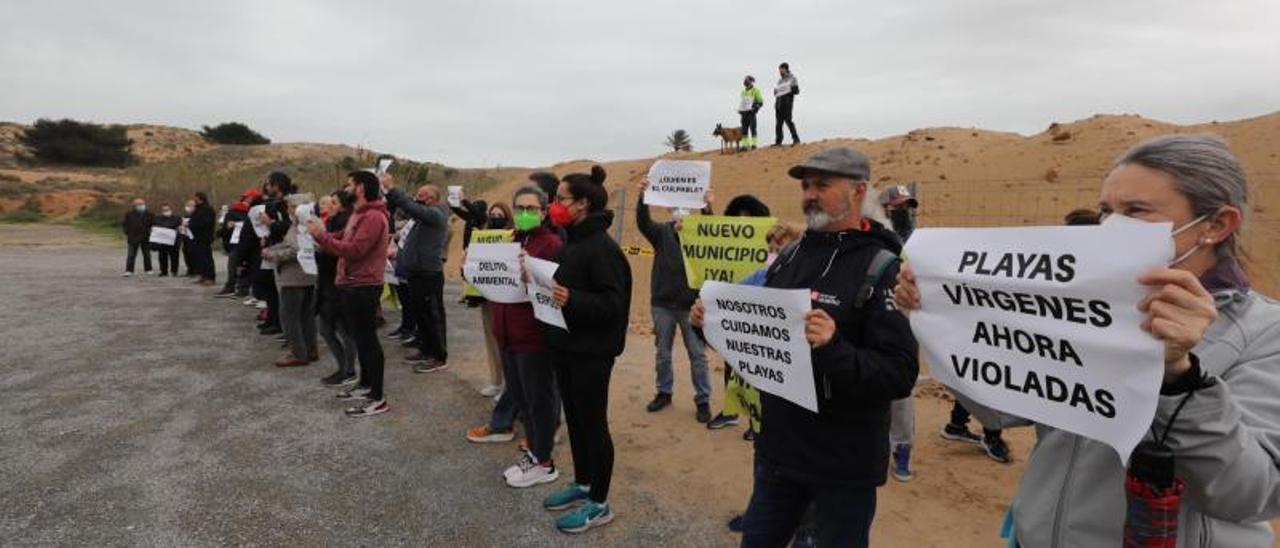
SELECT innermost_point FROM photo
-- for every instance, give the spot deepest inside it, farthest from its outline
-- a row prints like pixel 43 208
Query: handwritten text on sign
pixel 494 270
pixel 678 183
pixel 163 236
pixel 542 284
pixel 1042 323
pixel 724 249
pixel 760 332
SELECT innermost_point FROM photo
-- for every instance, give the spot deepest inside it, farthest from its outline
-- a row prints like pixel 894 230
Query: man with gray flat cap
pixel 863 354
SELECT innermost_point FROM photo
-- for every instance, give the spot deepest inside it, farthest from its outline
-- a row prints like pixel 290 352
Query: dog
pixel 730 137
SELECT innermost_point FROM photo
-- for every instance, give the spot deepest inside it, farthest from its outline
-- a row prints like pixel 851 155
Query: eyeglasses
pixel 565 199
pixel 528 209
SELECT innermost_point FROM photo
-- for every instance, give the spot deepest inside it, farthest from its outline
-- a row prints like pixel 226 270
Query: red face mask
pixel 560 215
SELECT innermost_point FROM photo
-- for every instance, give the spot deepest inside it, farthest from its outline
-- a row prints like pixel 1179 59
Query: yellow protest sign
pixel 724 249
pixel 487 236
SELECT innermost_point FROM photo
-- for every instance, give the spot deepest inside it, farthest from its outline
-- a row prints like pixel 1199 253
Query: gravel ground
pixel 143 412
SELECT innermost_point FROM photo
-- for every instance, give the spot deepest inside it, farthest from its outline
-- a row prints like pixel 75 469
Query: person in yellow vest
pixel 749 103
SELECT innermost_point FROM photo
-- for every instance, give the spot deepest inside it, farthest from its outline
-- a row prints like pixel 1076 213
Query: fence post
pixel 621 216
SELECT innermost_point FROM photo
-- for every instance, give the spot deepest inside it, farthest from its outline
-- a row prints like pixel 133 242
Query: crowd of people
pixel 816 474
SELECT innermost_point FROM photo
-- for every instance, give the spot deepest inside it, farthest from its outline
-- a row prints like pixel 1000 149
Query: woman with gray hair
pixel 1219 409
pixel 297 291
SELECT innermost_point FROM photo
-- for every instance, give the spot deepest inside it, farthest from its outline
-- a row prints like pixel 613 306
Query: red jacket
pixel 361 248
pixel 514 326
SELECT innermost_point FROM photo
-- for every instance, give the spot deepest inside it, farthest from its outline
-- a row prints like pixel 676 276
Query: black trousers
pixel 411 310
pixel 584 390
pixel 359 312
pixel 426 289
pixel 533 385
pixel 782 115
pixel 133 256
pixel 168 255
pixel 748 123
pixel 778 502
pixel 264 288
pixel 202 259
pixel 233 266
pixel 188 256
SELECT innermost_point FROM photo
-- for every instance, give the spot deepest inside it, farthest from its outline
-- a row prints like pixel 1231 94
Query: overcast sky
pixel 476 83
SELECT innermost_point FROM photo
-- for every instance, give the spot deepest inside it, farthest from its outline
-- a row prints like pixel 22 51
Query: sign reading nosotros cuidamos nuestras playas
pixel 760 332
pixel 1043 322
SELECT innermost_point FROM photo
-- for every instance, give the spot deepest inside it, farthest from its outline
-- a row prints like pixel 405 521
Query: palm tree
pixel 679 141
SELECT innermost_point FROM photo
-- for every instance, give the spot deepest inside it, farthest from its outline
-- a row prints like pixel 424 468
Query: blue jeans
pixel 665 321
pixel 778 502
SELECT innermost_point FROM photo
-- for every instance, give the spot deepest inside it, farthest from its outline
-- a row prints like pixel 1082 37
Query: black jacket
pixel 598 277
pixel 668 282
pixel 870 362
pixel 201 224
pixel 326 264
pixel 224 233
pixel 137 226
pixel 172 221
pixel 278 210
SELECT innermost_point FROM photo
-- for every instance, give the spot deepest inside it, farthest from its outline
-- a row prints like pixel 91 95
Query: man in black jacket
pixel 863 355
pixel 423 259
pixel 201 226
pixel 168 254
pixel 137 231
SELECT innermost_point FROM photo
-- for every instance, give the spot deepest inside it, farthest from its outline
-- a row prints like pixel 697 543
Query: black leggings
pixel 168 258
pixel 748 123
pixel 782 115
pixel 360 311
pixel 584 389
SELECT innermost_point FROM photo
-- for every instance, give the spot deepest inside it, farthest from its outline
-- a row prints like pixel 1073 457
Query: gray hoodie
pixel 1226 440
pixel 424 246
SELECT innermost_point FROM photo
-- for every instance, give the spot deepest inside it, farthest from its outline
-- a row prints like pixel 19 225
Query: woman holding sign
pixel 297 291
pixel 1217 416
pixel 594 293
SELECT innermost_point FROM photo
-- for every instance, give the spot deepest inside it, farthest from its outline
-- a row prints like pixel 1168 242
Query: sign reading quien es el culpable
pixel 678 183
pixel 1042 322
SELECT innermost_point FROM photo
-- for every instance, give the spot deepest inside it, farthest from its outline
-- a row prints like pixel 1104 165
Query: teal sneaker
pixel 567 497
pixel 591 514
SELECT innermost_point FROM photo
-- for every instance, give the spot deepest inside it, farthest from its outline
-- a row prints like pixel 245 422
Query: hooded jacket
pixel 361 248
pixel 1226 442
pixel 514 325
pixel 423 249
pixel 668 282
pixel 598 277
pixel 868 363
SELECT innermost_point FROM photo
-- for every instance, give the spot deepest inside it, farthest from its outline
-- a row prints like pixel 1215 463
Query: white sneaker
pixel 527 473
pixel 250 301
pixel 125 274
pixel 260 305
pixel 491 391
pixel 368 409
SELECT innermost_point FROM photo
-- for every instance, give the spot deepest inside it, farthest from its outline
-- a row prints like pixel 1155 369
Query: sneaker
pixel 338 379
pixel 430 366
pixel 125 274
pixel 571 495
pixel 735 523
pixel 250 301
pixel 749 435
pixel 491 390
pixel 527 473
pixel 703 415
pixel 415 357
pixel 997 449
pixel 354 394
pixel 952 432
pixel 393 336
pixel 722 421
pixel 368 409
pixel 260 305
pixel 225 294
pixel 482 434
pixel 589 515
pixel 902 462
pixel 659 402
pixel 150 273
pixel 409 342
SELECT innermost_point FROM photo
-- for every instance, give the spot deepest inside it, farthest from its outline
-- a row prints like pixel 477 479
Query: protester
pixel 863 357
pixel 297 291
pixel 749 103
pixel 899 205
pixel 201 227
pixel 137 232
pixel 670 298
pixel 422 258
pixel 334 213
pixel 594 292
pixel 237 212
pixel 498 218
pixel 407 332
pixel 168 254
pixel 360 249
pixel 784 98
pixel 273 215
pixel 1216 410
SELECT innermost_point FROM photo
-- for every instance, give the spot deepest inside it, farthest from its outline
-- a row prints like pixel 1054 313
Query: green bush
pixel 233 133
pixel 78 143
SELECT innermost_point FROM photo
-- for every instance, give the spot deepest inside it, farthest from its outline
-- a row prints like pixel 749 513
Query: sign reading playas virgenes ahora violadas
pixel 723 249
pixel 1042 322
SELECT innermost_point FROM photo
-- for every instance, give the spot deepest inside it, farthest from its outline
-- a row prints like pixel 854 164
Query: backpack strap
pixel 876 269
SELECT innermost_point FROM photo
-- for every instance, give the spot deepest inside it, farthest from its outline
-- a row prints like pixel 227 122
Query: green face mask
pixel 527 220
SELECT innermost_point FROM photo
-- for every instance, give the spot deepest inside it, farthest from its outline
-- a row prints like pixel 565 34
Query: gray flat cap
pixel 836 161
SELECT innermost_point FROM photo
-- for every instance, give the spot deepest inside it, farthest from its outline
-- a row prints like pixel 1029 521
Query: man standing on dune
pixel 784 97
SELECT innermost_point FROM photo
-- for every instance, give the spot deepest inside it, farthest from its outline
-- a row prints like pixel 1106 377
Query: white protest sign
pixel 455 196
pixel 403 233
pixel 542 284
pixel 163 236
pixel 235 232
pixel 255 218
pixel 760 332
pixel 1042 322
pixel 185 229
pixel 389 274
pixel 494 270
pixel 678 183
pixel 383 165
pixel 306 244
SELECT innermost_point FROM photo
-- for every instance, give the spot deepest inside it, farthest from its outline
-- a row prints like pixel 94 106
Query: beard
pixel 816 218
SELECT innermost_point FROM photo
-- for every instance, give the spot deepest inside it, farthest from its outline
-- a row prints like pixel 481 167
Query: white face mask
pixel 140 208
pixel 189 210
pixel 166 213
pixel 1112 219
